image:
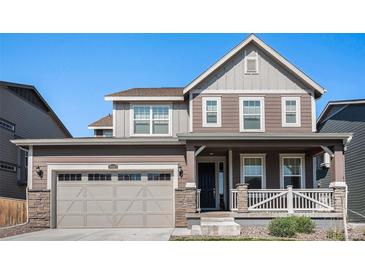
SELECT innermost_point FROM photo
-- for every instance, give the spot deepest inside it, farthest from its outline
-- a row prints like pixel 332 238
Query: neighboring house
pixel 177 153
pixel 24 114
pixel 346 116
pixel 103 127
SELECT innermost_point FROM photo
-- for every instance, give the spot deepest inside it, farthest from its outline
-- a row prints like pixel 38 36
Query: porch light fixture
pixel 39 172
pixel 181 172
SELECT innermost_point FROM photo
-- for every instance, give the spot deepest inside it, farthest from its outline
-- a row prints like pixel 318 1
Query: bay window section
pixel 151 120
pixel 252 114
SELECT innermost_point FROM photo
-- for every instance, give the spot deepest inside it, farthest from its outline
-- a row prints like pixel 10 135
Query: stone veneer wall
pixel 39 210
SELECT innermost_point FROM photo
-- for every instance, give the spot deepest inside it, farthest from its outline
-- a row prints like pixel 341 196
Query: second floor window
pixel 290 111
pixel 151 120
pixel 211 111
pixel 252 114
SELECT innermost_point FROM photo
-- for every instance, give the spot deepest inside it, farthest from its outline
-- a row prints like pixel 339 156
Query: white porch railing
pixel 198 208
pixel 233 200
pixel 290 200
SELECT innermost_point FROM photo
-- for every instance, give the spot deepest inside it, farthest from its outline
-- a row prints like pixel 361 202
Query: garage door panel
pixel 129 191
pixel 99 207
pixel 159 191
pixel 99 192
pixel 115 203
pixel 70 192
pixel 133 220
pixel 159 220
pixel 70 207
pixel 100 220
pixel 159 206
pixel 70 221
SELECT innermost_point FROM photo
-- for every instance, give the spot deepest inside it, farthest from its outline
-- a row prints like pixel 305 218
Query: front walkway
pixel 107 234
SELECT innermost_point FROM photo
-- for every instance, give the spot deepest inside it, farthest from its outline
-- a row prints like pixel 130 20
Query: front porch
pixel 263 180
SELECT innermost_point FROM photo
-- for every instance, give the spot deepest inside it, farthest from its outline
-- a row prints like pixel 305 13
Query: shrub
pixel 335 234
pixel 283 227
pixel 304 224
pixel 289 226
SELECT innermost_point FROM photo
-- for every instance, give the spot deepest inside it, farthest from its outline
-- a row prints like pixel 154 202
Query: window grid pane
pixel 252 114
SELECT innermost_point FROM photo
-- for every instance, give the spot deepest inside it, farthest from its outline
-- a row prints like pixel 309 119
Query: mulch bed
pixel 16 230
pixel 259 233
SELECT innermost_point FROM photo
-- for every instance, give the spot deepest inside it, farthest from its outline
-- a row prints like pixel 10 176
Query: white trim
pixel 297 111
pixel 265 47
pixel 115 120
pixel 251 91
pixel 53 168
pixel 199 150
pixel 190 112
pixel 314 112
pixel 328 151
pixel 30 168
pixel 292 155
pixel 144 98
pixel 230 169
pixel 345 103
pixel 256 58
pixel 262 114
pixel 333 114
pixel 262 156
pixel 314 169
pixel 100 127
pixel 219 111
pixel 131 120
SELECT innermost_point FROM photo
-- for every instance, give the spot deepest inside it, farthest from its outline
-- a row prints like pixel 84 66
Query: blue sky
pixel 74 71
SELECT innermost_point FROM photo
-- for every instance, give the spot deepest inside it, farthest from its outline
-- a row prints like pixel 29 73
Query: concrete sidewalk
pixel 107 234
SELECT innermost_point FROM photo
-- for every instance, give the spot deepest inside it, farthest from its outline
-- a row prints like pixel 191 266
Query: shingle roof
pixel 149 92
pixel 106 121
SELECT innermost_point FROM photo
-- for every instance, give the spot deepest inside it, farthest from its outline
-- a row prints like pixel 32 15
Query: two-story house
pixel 24 114
pixel 239 139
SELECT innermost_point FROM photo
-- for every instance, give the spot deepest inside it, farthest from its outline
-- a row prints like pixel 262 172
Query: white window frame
pixel 256 58
pixel 302 160
pixel 283 112
pixel 131 122
pixel 262 156
pixel 262 116
pixel 219 111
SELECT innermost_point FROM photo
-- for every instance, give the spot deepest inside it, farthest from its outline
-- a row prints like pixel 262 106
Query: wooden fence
pixel 12 211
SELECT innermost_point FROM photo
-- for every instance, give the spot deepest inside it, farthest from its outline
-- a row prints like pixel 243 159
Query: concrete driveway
pixel 107 234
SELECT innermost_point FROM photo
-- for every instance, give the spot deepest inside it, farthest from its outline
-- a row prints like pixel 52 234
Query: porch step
pixel 225 226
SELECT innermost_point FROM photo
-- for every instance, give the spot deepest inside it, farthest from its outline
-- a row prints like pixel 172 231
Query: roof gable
pixel 270 52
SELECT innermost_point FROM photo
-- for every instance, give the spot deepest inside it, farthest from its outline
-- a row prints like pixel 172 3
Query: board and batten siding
pixel 350 120
pixel 273 120
pixel 121 110
pixel 271 74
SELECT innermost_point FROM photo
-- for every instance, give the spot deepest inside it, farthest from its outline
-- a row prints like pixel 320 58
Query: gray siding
pixel 271 75
pixel 351 120
pixel 273 123
pixel 30 122
pixel 180 118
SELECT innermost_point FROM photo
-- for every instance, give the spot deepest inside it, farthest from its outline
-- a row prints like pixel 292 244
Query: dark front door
pixel 206 183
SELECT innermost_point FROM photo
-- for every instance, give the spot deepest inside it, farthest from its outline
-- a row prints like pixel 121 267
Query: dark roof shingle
pixel 149 92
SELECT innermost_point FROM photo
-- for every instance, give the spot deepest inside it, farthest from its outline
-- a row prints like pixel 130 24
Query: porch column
pixel 338 183
pixel 242 198
pixel 190 187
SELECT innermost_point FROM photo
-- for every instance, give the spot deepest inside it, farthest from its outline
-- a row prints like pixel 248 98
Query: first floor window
pixel 69 177
pixel 7 125
pixel 211 111
pixel 151 119
pixel 100 177
pixel 8 167
pixel 129 177
pixel 251 114
pixel 292 171
pixel 253 171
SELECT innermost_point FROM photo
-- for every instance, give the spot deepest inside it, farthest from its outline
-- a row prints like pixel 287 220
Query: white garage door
pixel 127 199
